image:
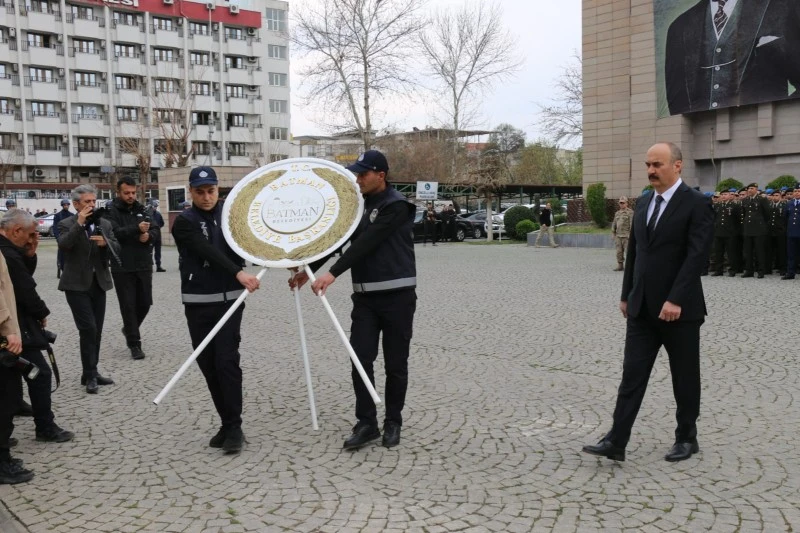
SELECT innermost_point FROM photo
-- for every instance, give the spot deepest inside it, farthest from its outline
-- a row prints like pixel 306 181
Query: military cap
pixel 733 189
pixel 717 193
pixel 789 189
pixel 708 194
pixel 769 191
pixel 784 188
pixel 752 185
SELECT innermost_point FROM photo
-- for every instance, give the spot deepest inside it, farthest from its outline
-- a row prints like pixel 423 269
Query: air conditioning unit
pixel 215 26
pixel 251 31
pixel 102 44
pixel 59 37
pixel 145 112
pixel 103 75
pixel 234 9
pixel 169 2
pixel 19 136
pixel 211 6
pixel 216 87
pixel 105 107
pixel 65 138
pixel 14 67
pixel 254 88
pixel 107 141
pixel 38 172
pixel 16 102
pixel 12 32
pixel 252 59
pixel 63 105
pixel 142 47
pixel 61 72
pixel 180 21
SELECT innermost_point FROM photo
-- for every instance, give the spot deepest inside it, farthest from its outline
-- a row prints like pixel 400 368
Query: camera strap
pixel 53 364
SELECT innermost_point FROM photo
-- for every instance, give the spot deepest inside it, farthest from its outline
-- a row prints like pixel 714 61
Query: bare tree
pixel 488 173
pixel 357 51
pixel 172 121
pixel 8 162
pixel 563 120
pixel 468 51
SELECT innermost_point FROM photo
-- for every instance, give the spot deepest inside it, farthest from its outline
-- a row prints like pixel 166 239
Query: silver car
pixel 45 225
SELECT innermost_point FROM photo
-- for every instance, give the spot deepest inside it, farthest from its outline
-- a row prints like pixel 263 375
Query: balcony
pixel 203 72
pixel 238 47
pixel 43 157
pixel 10 155
pixel 237 104
pixel 46 89
pixel 240 160
pixel 203 41
pixel 130 97
pixel 84 24
pixel 240 134
pixel 126 160
pixel 133 129
pixel 90 125
pixel 47 123
pixel 86 56
pixel 238 75
pixel 94 158
pixel 43 55
pixel 172 38
pixel 128 33
pixel 7 82
pixel 7 46
pixel 40 19
pixel 130 64
pixel 167 68
pixel 205 102
pixel 90 93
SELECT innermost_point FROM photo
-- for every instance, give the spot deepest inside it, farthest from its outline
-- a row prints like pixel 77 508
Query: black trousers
pixel 725 246
pixel 219 362
pixel 10 398
pixel 89 312
pixel 644 337
pixel 135 295
pixel 157 253
pixel 391 314
pixel 755 254
pixel 776 253
pixel 430 232
pixel 793 254
pixel 39 390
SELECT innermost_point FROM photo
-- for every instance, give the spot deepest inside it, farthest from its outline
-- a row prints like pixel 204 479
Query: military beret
pixel 708 193
pixel 733 190
pixel 789 189
pixel 717 193
pixel 752 185
pixel 769 191
pixel 784 188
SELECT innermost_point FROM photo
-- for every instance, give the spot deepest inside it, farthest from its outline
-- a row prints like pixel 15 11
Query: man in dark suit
pixel 662 299
pixel 88 245
pixel 722 53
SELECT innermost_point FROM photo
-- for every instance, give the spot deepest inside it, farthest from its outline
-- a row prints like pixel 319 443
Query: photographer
pixel 133 276
pixel 88 243
pixel 19 239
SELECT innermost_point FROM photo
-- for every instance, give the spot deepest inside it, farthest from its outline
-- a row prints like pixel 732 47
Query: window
pixel 88 144
pixel 43 109
pixel 164 86
pixel 85 79
pixel 40 74
pixel 45 142
pixel 277 157
pixel 126 19
pixel 237 149
pixel 277 79
pixel 278 134
pixel 127 114
pixel 202 118
pixel 128 145
pixel 38 40
pixel 161 146
pixel 276 51
pixel 82 12
pixel 122 81
pixel 234 62
pixel 201 88
pixel 235 120
pixel 5 141
pixel 5 107
pixel 160 23
pixel 278 106
pixel 234 91
pixel 196 28
pixel 163 54
pixel 83 46
pixel 125 50
pixel 86 112
pixel 276 19
pixel 165 116
pixel 199 58
pixel 200 147
pixel 40 6
pixel 234 33
pixel 3 71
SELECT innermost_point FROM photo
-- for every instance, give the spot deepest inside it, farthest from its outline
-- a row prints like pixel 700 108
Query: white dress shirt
pixel 667 195
pixel 728 9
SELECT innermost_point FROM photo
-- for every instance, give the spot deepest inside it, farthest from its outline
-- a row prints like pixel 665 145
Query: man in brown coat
pixel 621 230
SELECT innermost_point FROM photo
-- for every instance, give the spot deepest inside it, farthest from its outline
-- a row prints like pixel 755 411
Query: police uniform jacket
pixel 755 216
pixel 793 218
pixel 135 255
pixel 208 265
pixel 725 221
pixel 57 218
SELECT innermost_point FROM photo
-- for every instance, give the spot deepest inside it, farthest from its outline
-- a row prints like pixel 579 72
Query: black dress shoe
pixel 391 434
pixel 731 274
pixel 362 434
pixel 605 448
pixel 682 450
pixel 12 473
pixel 747 275
pixel 218 440
pixel 788 276
pixel 54 434
pixel 91 386
pixel 760 275
pixel 100 380
pixel 159 269
pixel 24 409
pixel 715 274
pixel 12 441
pixel 137 353
pixel 234 440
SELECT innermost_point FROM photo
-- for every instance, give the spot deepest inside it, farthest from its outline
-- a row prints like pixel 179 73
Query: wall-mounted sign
pixel 427 190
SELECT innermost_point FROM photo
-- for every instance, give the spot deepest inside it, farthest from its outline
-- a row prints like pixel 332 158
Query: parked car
pixel 498 225
pixel 45 225
pixel 463 228
pixel 474 228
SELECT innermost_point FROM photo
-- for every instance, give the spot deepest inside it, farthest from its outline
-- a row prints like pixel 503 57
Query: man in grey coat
pixel 88 244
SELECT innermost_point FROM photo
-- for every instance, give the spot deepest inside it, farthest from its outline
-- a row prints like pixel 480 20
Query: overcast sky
pixel 548 34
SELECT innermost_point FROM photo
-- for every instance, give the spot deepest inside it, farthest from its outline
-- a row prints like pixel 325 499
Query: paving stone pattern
pixel 515 363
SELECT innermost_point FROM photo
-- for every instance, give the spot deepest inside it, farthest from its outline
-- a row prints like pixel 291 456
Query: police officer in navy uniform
pixel 792 213
pixel 212 278
pixel 383 268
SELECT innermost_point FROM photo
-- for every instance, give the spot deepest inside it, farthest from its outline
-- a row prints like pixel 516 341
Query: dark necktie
pixel 651 225
pixel 720 17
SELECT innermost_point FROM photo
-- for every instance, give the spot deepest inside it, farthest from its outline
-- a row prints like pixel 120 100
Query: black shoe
pixel 788 276
pixel 731 274
pixel 12 441
pixel 159 269
pixel 137 353
pixel 605 448
pixel 682 450
pixel 24 409
pixel 362 434
pixel 54 434
pixel 391 434
pixel 715 274
pixel 91 386
pixel 760 275
pixel 218 440
pixel 12 473
pixel 100 380
pixel 704 273
pixel 234 440
pixel 747 275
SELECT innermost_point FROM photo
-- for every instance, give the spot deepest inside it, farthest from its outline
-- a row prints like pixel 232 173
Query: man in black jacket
pixel 133 276
pixel 57 218
pixel 212 278
pixel 662 300
pixel 19 239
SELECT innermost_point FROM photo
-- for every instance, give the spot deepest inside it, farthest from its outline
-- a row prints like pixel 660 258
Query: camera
pixel 9 360
pixel 96 215
pixel 49 336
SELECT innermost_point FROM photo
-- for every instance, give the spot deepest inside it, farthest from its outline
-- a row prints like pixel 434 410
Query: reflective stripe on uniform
pixel 210 298
pixel 385 285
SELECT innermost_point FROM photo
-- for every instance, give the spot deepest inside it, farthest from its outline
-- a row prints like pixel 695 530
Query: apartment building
pixel 90 89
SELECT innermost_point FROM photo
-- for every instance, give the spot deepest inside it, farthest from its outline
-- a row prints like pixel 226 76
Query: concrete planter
pixel 576 240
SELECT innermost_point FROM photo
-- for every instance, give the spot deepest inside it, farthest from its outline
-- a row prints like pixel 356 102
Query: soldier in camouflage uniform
pixel 621 230
pixel 776 241
pixel 755 211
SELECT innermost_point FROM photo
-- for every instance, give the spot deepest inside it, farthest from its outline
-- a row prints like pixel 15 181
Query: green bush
pixel 596 202
pixel 730 183
pixel 782 181
pixel 513 215
pixel 559 219
pixel 523 228
pixel 648 188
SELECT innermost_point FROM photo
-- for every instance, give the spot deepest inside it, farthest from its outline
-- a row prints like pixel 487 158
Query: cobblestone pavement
pixel 515 362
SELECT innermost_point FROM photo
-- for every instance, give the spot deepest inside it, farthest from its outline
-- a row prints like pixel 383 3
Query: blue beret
pixel 733 190
pixel 708 193
pixel 784 188
pixel 769 191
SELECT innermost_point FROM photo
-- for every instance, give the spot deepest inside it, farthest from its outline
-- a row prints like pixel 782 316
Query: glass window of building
pixel 278 134
pixel 164 85
pixel 126 19
pixel 127 114
pixel 165 116
pixel 163 54
pixel 83 45
pixel 201 88
pixel 237 149
pixel 5 107
pixel 128 145
pixel 123 81
pixel 234 33
pixel 86 79
pixel 40 74
pixel 276 19
pixel 125 50
pixel 86 111
pixel 46 142
pixel 234 62
pixel 160 146
pixel 276 51
pixel 235 120
pixel 81 12
pixel 277 157
pixel 202 118
pixel 200 147
pixel 38 40
pixel 234 91
pixel 197 28
pixel 278 106
pixel 199 58
pixel 161 23
pixel 277 79
pixel 88 144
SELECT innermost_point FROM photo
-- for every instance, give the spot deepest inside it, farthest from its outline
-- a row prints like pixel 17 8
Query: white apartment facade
pixel 88 87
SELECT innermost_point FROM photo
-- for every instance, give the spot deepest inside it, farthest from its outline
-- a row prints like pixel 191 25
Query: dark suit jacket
pixel 666 265
pixel 761 72
pixel 83 258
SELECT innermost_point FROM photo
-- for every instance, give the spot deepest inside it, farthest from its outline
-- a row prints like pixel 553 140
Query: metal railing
pixel 91 150
pixel 89 116
pixel 59 48
pixel 95 84
pixel 71 17
pixel 158 59
pixel 95 51
pixel 123 22
pixel 29 114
